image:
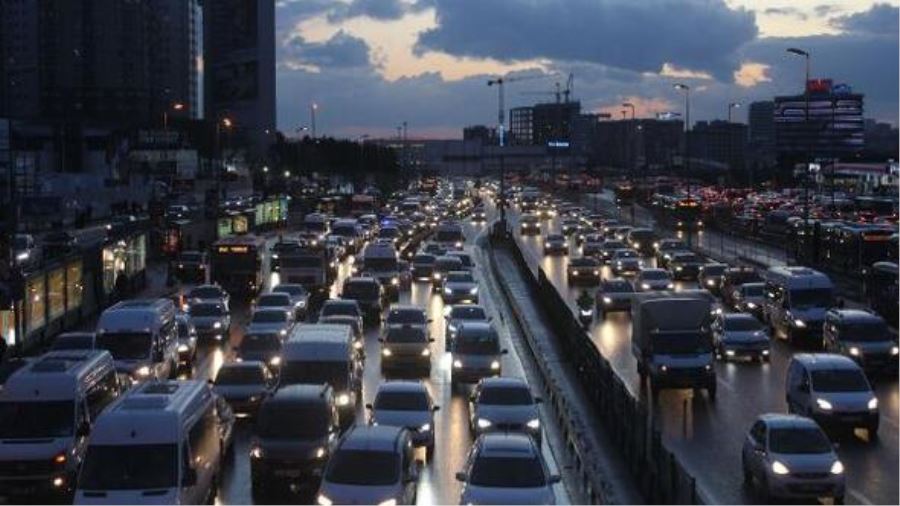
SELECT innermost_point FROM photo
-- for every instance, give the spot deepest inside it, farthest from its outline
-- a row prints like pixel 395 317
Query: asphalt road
pixel 707 436
pixel 437 484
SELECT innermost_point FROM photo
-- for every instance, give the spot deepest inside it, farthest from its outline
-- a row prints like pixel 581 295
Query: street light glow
pixel 178 106
pixel 227 123
pixel 287 173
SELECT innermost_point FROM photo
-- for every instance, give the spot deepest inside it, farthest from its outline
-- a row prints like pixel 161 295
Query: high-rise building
pixel 761 133
pixel 834 128
pixel 19 79
pixel 719 143
pixel 239 65
pixel 650 143
pixel 521 126
pixel 481 133
pixel 174 43
pixel 554 122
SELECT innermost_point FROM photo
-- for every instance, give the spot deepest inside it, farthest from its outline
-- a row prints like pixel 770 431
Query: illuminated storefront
pixel 126 257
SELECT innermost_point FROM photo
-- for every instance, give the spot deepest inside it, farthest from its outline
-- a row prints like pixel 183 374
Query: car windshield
pixel 405 335
pixel 507 472
pixel 397 317
pixel 689 258
pixel 613 245
pixel 505 396
pixel 363 467
pixel 754 290
pixel 129 467
pixel 681 343
pixel 582 262
pixel 190 257
pixel 292 290
pixel 447 264
pixel 617 287
pixel 477 343
pixel 380 264
pixel 360 290
pixel 626 253
pixel 269 317
pixel 672 245
pixel 284 247
pixel 301 262
pixel 333 373
pixel 340 308
pixel 423 259
pixel 810 297
pixel 273 300
pixel 798 441
pixel 208 292
pixel 449 236
pixel 742 324
pixel 73 343
pixel 207 309
pixel 401 401
pixel 869 331
pixel 459 277
pixel 260 342
pixel 279 420
pixel 467 313
pixel 839 380
pixel 240 376
pixel 713 270
pixel 654 275
pixel 125 345
pixel 36 419
pixel 389 233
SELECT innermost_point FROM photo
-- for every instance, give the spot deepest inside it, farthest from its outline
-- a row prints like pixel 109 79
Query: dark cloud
pixel 641 36
pixel 880 19
pixel 377 9
pixel 786 11
pixel 340 51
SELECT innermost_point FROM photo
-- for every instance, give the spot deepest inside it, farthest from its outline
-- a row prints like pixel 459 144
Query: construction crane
pixel 557 93
pixel 501 110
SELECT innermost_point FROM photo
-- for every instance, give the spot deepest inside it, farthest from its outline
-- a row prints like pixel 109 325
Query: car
pixel 276 300
pixel 615 294
pixel 355 324
pixel 570 226
pixel 189 266
pixel 504 405
pixel 556 244
pixel 406 404
pixel 710 276
pixel 368 293
pixel 789 457
pixel 592 246
pixel 748 298
pixel 467 262
pixel 529 224
pixel 456 315
pixel 284 453
pixel 735 277
pixel 740 335
pixel 442 266
pixel 299 298
pixel 584 232
pixel 642 240
pixel 648 280
pixel 404 348
pixel 206 293
pixel 342 307
pixel 626 262
pixel 262 346
pixel 244 385
pixel 423 267
pixel 832 390
pixel 685 265
pixel 506 469
pixel 862 336
pixel 400 315
pixel 608 248
pixel 282 249
pixel 433 248
pixel 212 320
pixel 271 320
pixel 187 340
pixel 479 215
pixel 459 287
pixel 372 464
pixel 74 341
pixel 663 251
pixel 476 353
pixel 583 271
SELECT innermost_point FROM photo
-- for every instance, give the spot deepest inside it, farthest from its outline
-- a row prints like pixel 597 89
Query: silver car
pixel 272 321
pixel 506 469
pixel 244 385
pixel 789 457
pixel 649 280
pixel 299 298
pixel 455 315
pixel 406 404
pixel 504 405
pixel 740 335
pixel 459 286
pixel 211 319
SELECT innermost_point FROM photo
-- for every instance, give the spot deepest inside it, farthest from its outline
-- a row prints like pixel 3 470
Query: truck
pixel 671 339
pixel 310 267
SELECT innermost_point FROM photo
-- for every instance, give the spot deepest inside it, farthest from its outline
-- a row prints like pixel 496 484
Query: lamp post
pixel 362 141
pixel 177 106
pixel 806 57
pixel 632 155
pixel 731 105
pixel 312 118
pixel 227 124
pixel 687 142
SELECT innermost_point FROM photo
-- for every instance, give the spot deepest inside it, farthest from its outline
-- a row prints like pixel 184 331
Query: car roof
pixel 372 438
pixel 788 421
pixel 510 445
pixel 406 307
pixel 504 382
pixel 856 315
pixel 402 386
pixel 738 316
pixel 820 361
pixel 300 393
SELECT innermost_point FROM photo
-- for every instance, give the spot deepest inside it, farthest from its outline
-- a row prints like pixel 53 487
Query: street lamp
pixel 732 105
pixel 806 56
pixel 632 154
pixel 312 117
pixel 687 141
pixel 226 123
pixel 177 106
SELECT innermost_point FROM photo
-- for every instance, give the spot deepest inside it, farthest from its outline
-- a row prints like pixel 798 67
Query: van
pixel 350 230
pixel 862 336
pixel 381 262
pixel 158 444
pixel 47 411
pixel 324 353
pixel 832 390
pixel 141 337
pixel 795 302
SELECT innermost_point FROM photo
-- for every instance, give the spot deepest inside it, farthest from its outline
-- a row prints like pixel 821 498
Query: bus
pixel 236 264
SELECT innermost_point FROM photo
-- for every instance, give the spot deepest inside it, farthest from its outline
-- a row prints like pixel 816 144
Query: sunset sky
pixel 372 64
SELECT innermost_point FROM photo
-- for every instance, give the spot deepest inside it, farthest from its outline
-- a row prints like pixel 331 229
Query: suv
pixel 862 336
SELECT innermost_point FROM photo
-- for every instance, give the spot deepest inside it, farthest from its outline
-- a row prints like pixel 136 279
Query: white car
pixel 506 468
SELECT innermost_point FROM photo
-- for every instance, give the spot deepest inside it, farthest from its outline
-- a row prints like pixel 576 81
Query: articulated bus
pixel 236 264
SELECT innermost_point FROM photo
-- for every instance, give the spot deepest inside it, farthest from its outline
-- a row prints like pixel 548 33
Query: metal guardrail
pixel 657 471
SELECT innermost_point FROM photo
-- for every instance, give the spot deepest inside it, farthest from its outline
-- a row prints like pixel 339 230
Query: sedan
pixel 299 298
pixel 398 316
pixel 459 286
pixel 244 385
pixel 685 265
pixel 749 298
pixel 456 315
pixel 506 469
pixel 626 262
pixel 583 271
pixel 423 267
pixel 206 293
pixel 211 319
pixel 614 295
pixel 504 405
pixel 274 321
pixel 280 301
pixel 710 276
pixel 608 248
pixel 738 335
pixel 406 404
pixel 556 244
pixel 665 250
pixel 405 348
pixel 651 280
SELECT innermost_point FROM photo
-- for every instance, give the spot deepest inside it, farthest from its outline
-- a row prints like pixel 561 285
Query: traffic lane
pixel 709 435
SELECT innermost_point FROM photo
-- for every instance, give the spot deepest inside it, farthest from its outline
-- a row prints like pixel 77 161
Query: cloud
pixel 880 19
pixel 751 74
pixel 377 9
pixel 644 107
pixel 639 36
pixel 824 10
pixel 786 11
pixel 340 51
pixel 669 70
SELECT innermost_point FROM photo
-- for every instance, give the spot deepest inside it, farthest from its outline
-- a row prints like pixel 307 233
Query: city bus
pixel 236 264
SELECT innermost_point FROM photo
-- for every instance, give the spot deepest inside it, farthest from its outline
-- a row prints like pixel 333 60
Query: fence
pixel 657 471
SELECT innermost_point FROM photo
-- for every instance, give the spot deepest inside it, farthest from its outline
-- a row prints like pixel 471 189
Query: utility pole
pixel 687 144
pixel 312 119
pixel 808 133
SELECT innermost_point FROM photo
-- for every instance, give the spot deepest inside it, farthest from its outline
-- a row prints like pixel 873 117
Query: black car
pixel 423 267
pixel 665 248
pixel 583 271
pixel 733 278
pixel 280 250
pixel 710 277
pixel 608 248
pixel 368 293
pixel 685 266
pixel 615 294
pixel 189 267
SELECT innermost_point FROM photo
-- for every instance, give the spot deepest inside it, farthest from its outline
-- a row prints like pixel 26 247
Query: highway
pixel 707 436
pixel 437 484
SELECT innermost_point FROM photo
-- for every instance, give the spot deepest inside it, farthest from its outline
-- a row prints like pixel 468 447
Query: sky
pixel 370 65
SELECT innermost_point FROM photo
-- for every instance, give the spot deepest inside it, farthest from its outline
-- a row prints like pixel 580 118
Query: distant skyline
pixel 372 64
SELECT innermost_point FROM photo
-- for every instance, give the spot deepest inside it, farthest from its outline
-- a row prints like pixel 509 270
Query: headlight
pixel 447 290
pixel 217 325
pixel 546 244
pixel 873 403
pixel 451 328
pixel 60 458
pixel 388 502
pixel 343 399
pixel 708 367
pixel 779 468
pixel 656 245
pixel 283 332
pixel 645 286
pixel 751 305
pixel 323 500
pixel 457 364
pixel 183 348
pixel 607 300
pixel 256 452
pixel 437 276
pixel 800 324
pixel 473 291
pixel 710 282
pixel 275 361
pixel 670 286
pixel 483 424
pixel 824 405
pixel 459 245
pixel 301 304
pixel 274 257
pixel 425 428
pixel 320 452
pixel 395 281
pixel 837 467
pixel 495 365
pixel 679 269
pixel 534 424
pixel 426 352
pixel 142 371
pixel 387 352
pixel 596 273
pixel 895 350
pixel 637 245
pixel 854 351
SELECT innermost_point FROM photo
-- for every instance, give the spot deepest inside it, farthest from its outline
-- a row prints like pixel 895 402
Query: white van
pixel 795 302
pixel 47 410
pixel 142 338
pixel 159 444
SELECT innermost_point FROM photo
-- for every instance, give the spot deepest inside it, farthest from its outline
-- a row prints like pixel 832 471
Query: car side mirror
pixel 430 339
pixel 369 406
pixel 435 408
pixel 554 478
pixel 429 321
pixel 460 476
pixel 190 477
pixel 504 351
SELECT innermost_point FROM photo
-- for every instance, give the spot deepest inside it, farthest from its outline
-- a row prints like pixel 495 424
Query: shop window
pixel 35 304
pixel 56 287
pixel 74 286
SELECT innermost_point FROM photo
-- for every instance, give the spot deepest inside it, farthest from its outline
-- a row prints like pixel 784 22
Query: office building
pixel 646 144
pixel 481 133
pixel 174 57
pixel 554 122
pixel 718 145
pixel 521 126
pixel 239 64
pixel 881 141
pixel 19 63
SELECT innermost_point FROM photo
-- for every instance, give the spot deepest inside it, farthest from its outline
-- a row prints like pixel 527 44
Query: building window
pixel 35 304
pixel 113 265
pixel 56 286
pixel 74 286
